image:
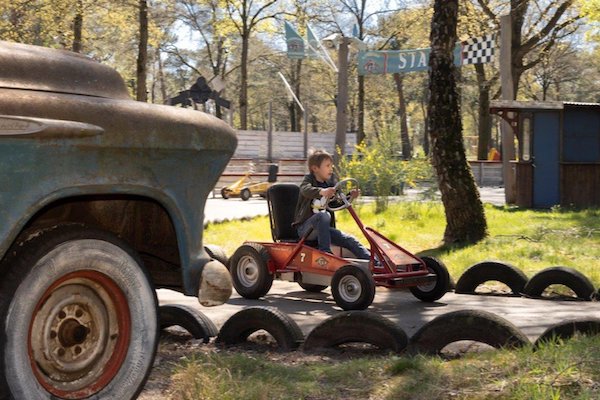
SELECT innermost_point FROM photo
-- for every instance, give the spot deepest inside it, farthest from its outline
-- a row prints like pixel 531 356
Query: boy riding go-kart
pixel 289 257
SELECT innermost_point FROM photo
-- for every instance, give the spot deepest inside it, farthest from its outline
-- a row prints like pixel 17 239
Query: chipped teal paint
pixel 168 154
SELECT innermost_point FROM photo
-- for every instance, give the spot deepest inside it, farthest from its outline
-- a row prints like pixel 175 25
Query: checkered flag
pixel 478 50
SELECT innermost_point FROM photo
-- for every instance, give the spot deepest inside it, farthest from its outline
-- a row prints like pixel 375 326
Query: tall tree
pixel 537 26
pixel 142 59
pixel 246 15
pixel 465 218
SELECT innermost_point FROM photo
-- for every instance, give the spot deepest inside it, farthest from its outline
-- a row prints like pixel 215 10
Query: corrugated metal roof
pixel 539 105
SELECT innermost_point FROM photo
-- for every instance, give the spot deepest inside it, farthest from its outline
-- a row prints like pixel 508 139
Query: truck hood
pixel 37 68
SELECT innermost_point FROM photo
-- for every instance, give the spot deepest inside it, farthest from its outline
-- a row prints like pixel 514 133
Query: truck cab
pixel 102 202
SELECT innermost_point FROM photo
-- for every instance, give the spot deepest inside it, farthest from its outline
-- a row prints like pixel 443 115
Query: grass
pixel 529 239
pixel 566 371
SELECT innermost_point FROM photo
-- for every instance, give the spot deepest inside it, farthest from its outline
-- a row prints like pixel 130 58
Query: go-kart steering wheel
pixel 341 200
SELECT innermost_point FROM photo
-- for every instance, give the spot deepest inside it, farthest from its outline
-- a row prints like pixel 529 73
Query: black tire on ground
pixel 353 288
pixel 312 288
pixel 357 327
pixel 571 278
pixel 190 319
pixel 433 291
pixel 567 329
pixel 244 323
pixel 249 272
pixel 217 253
pixel 224 193
pixel 475 325
pixel 485 271
pixel 73 305
pixel 245 194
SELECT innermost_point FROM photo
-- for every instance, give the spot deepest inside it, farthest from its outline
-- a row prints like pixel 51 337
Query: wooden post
pixel 342 99
pixel 270 134
pixel 306 132
pixel 506 83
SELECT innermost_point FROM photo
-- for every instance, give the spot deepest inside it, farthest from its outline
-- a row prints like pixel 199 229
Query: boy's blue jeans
pixel 327 235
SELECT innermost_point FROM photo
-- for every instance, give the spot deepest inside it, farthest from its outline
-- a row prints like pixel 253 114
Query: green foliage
pixel 529 239
pixel 380 171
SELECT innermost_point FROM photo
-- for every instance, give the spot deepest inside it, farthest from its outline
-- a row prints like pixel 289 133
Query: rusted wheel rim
pixel 79 334
pixel 248 271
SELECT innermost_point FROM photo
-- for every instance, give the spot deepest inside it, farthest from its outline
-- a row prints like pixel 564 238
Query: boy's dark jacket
pixel 309 190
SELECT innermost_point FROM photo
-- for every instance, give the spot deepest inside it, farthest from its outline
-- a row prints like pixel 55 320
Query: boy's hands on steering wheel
pixel 327 192
pixel 354 193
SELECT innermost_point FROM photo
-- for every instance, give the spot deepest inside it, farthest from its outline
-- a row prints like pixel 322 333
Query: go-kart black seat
pixel 282 199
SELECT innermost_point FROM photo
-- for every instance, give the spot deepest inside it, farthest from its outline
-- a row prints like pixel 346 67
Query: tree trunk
pixel 404 138
pixel 244 83
pixel 297 85
pixel 78 28
pixel 484 117
pixel 142 60
pixel 360 134
pixel 425 128
pixel 465 218
pixel 161 77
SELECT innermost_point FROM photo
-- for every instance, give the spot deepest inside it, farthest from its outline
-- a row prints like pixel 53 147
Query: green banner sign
pixel 398 61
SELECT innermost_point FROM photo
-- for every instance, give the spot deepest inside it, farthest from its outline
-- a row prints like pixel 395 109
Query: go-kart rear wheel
pixel 224 193
pixel 435 290
pixel 245 194
pixel 353 288
pixel 249 272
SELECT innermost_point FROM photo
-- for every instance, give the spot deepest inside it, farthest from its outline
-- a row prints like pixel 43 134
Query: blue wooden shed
pixel 558 158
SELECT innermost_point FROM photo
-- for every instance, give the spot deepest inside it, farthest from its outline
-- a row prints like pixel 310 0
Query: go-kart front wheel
pixel 249 272
pixel 225 193
pixel 353 288
pixel 245 194
pixel 434 290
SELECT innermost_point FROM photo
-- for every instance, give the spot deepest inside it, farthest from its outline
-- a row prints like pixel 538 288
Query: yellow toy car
pixel 245 187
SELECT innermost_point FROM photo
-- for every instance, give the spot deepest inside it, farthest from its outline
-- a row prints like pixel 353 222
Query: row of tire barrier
pixel 369 328
pixel 520 285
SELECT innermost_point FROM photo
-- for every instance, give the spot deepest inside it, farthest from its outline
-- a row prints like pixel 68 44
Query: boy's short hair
pixel 317 158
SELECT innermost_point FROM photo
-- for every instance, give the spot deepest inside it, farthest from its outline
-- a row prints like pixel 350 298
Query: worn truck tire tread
pixel 485 271
pixel 192 320
pixel 242 324
pixel 571 278
pixel 357 327
pixel 475 325
pixel 567 329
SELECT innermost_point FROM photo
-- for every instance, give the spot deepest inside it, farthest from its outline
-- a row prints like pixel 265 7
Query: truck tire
pixel 571 278
pixel 78 318
pixel 249 271
pixel 436 290
pixel 357 327
pixel 245 194
pixel 568 329
pixel 244 323
pixel 475 325
pixel 190 319
pixel 485 271
pixel 353 288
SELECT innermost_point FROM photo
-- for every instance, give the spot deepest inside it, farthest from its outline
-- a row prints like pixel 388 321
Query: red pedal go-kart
pixel 254 265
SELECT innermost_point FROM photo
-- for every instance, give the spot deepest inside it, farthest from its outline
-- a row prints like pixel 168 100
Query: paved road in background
pixel 219 209
pixel 308 309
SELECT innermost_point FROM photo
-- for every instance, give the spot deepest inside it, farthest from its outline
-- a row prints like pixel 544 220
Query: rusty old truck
pixel 101 202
